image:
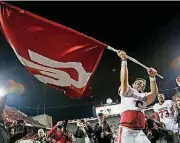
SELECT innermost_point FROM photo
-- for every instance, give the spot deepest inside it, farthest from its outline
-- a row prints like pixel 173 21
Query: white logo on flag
pixel 55 76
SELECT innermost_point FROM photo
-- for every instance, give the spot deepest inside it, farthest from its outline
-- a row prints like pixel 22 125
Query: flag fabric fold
pixel 56 55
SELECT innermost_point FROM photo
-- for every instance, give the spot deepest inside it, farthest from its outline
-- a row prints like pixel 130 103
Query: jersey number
pixel 164 113
pixel 139 104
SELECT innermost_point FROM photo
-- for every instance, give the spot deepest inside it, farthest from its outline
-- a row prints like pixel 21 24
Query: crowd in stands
pixel 113 121
pixel 18 120
pixel 30 136
pixel 12 115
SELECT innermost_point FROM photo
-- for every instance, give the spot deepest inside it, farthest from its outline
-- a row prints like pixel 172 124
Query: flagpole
pixel 133 60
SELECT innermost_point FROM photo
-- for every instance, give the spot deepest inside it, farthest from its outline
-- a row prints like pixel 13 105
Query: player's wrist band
pixel 123 59
pixel 124 63
pixel 152 78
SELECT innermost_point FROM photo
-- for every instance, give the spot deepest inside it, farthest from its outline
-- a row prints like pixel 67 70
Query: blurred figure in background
pixel 177 113
pixel 178 80
pixel 84 130
pixel 103 133
pixel 42 138
pixel 164 111
pixel 14 136
pixel 4 135
pixel 60 134
pixel 80 133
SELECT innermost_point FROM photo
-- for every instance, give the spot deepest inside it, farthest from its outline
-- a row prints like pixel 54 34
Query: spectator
pixel 152 131
pixel 60 134
pixel 42 137
pixel 81 132
pixel 12 115
pixel 89 130
pixel 103 133
pixel 16 136
pixel 4 135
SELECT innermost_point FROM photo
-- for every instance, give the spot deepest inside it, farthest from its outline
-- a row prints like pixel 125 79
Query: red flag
pixel 54 54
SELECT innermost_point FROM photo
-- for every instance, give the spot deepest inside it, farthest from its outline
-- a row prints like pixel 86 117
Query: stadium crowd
pixel 82 130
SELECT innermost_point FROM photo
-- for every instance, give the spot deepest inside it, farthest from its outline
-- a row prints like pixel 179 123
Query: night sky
pixel 147 31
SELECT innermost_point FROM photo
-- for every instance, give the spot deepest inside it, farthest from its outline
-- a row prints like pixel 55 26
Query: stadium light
pixel 109 101
pixel 3 92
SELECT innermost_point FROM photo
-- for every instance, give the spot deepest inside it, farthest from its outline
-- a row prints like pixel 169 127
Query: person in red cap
pixel 59 133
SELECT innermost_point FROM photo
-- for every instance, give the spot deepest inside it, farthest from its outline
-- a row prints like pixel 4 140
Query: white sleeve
pixel 128 92
pixel 170 103
pixel 154 108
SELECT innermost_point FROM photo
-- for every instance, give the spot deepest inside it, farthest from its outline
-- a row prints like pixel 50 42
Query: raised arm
pixel 151 96
pixel 54 128
pixel 123 73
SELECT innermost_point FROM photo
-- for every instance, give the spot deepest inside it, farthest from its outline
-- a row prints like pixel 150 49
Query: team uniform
pixel 132 119
pixel 166 115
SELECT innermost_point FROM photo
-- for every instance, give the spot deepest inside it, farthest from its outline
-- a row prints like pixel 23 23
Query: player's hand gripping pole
pixel 133 60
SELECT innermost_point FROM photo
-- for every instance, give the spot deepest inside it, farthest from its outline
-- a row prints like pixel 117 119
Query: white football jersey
pixel 164 110
pixel 166 114
pixel 133 100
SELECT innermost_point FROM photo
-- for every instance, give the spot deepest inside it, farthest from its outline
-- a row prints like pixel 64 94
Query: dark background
pixel 147 31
